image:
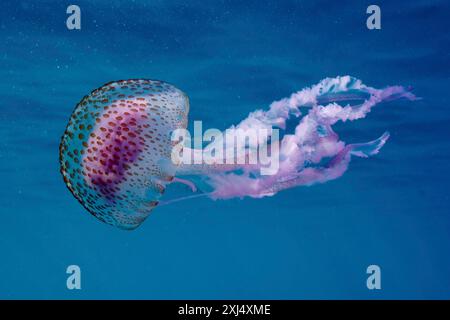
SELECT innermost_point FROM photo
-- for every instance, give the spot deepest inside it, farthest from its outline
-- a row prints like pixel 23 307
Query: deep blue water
pixel 230 57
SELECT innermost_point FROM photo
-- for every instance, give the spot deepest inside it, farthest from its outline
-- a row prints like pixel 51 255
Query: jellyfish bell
pixel 115 151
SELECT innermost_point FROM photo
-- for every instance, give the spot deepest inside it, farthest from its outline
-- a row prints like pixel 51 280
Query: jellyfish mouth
pixel 310 151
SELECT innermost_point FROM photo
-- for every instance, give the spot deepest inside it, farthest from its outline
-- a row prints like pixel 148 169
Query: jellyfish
pixel 117 152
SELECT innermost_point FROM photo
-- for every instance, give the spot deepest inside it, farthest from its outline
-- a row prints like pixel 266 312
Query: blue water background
pixel 230 57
